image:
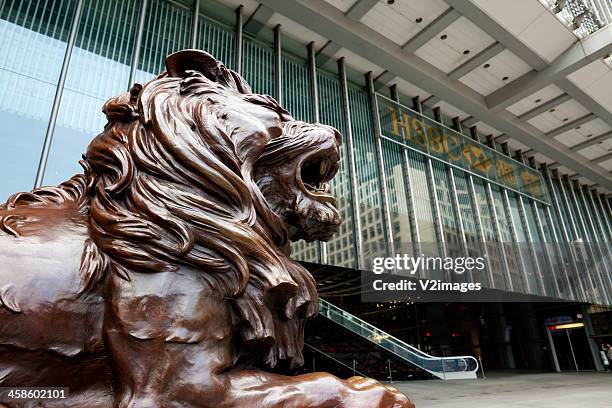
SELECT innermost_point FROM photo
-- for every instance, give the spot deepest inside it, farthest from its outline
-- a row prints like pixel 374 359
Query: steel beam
pixel 580 233
pixel 431 101
pixel 606 217
pixel 455 199
pixel 382 175
pixel 314 107
pixel 257 21
pixel 195 22
pixel 278 66
pixel 563 239
pixel 314 86
pixel 586 218
pixel 373 46
pixel 469 122
pixel 137 43
pixel 59 91
pixel 408 186
pixel 512 227
pixel 383 79
pixel 348 134
pixel 434 28
pixel 535 261
pixel 497 231
pixel 477 60
pixel 542 242
pixel 327 52
pixel 238 45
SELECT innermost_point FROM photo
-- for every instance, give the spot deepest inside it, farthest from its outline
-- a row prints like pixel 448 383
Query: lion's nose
pixel 335 132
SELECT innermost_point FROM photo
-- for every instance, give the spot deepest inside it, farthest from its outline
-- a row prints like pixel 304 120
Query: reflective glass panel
pixel 167 29
pixel 33 36
pixel 341 248
pixel 366 162
pixel 99 69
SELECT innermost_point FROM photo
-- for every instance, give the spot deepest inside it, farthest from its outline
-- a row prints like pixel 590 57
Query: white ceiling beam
pixel 597 45
pixel 360 9
pixel 603 158
pixel 326 52
pixel 431 101
pixel 487 24
pixel 571 125
pixel 469 122
pixel 592 141
pixel 503 138
pixel 476 61
pixel 585 100
pixel 383 79
pixel 434 28
pixel 373 46
pixel 545 107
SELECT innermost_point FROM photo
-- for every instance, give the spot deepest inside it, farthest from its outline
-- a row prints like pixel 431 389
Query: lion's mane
pixel 169 187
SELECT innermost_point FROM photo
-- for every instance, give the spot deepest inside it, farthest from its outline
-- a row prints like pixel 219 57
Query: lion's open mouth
pixel 316 173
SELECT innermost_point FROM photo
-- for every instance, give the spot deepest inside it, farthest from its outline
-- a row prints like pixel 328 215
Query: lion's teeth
pixel 323 168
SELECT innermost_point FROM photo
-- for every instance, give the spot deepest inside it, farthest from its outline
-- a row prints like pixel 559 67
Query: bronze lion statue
pixel 161 276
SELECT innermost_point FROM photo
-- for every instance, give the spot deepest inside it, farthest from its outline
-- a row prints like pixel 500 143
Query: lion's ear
pixel 180 62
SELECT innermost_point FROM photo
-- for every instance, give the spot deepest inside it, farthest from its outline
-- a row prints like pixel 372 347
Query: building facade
pixel 60 60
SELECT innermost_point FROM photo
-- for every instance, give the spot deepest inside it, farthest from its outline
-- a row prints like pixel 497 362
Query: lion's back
pixel 42 306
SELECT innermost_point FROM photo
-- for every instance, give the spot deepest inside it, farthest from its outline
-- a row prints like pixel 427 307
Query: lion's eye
pixel 275 131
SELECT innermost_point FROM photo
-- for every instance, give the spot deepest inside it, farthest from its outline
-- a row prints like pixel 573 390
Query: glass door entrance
pixel 570 348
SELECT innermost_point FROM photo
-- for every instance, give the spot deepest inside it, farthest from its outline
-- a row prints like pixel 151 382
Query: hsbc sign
pixel 418 132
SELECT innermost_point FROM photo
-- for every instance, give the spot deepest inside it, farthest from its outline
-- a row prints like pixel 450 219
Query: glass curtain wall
pixel 258 65
pixel 557 268
pixel 495 277
pixel 296 87
pixel 366 161
pixel 596 246
pixel 295 81
pixel 33 36
pixel 546 280
pixel 397 189
pixel 421 198
pixel 341 248
pixel 445 203
pixel 218 40
pixel 468 211
pixel 99 69
pixel 32 30
pixel 167 29
pixel 504 222
pixel 529 266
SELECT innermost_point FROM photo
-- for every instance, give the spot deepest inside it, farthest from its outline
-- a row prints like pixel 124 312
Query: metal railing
pixel 584 17
pixel 335 360
pixel 444 368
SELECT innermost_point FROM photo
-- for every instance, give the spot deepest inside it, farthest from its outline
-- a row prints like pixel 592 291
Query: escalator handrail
pixel 313 348
pixel 325 305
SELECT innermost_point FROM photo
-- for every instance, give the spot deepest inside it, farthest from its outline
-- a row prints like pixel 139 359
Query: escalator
pixel 360 348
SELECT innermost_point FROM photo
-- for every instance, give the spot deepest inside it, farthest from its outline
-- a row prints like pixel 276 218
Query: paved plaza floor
pixel 516 390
